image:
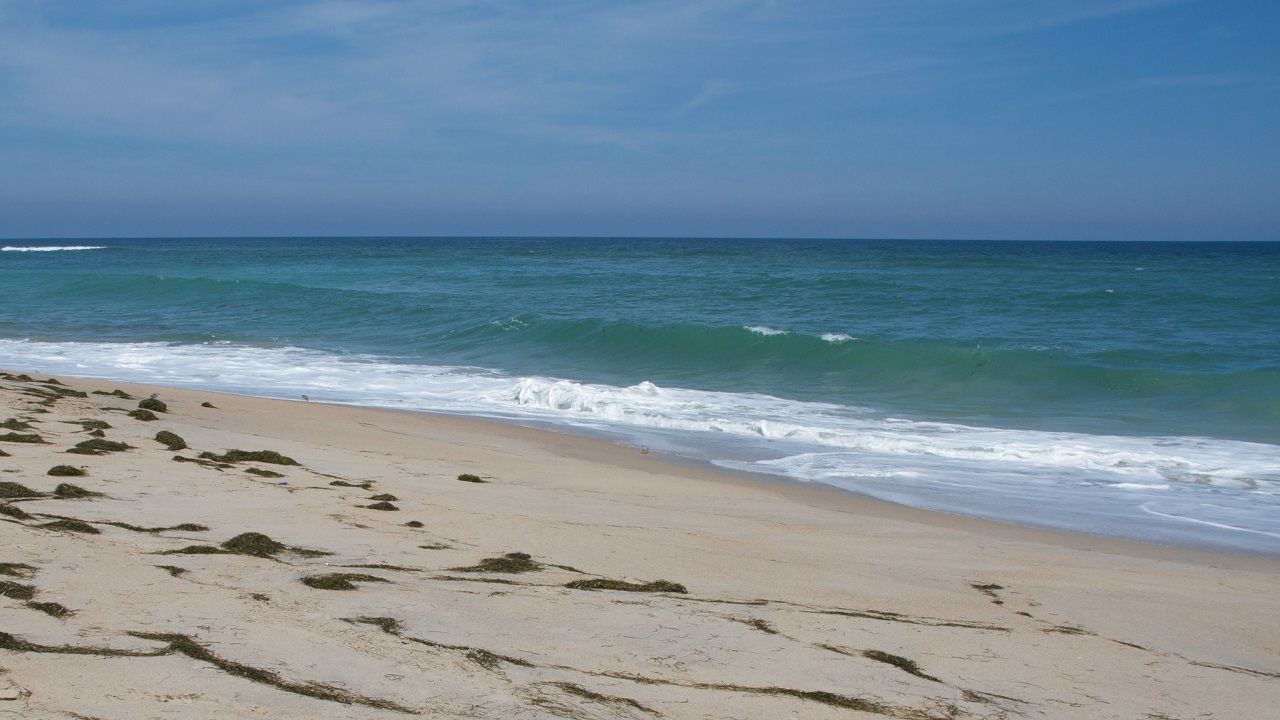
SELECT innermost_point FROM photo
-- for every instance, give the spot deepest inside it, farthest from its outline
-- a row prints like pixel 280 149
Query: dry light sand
pixel 780 601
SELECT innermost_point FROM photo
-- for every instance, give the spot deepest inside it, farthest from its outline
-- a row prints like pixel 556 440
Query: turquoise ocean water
pixel 1128 389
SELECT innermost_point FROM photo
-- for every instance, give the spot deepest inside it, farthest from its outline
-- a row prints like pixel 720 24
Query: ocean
pixel 1122 389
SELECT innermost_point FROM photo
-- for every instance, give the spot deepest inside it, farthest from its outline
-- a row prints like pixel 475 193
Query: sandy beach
pixel 352 574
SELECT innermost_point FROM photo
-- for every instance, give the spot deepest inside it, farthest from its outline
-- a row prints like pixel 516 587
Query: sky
pixel 1001 119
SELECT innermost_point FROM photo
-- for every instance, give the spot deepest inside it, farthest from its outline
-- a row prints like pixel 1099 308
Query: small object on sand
pixel 644 449
pixel 304 397
pixel 155 395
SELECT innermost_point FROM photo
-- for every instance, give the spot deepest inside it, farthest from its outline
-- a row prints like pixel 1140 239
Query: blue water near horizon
pixel 1127 389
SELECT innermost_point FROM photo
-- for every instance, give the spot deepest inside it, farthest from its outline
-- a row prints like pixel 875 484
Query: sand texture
pixel 575 580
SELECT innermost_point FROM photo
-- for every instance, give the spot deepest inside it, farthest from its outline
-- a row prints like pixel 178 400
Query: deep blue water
pixel 1135 385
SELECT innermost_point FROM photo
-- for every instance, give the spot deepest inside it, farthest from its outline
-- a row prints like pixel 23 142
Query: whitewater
pixel 1129 390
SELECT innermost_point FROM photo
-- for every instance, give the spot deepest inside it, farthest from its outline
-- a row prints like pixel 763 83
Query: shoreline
pixel 816 494
pixel 578 579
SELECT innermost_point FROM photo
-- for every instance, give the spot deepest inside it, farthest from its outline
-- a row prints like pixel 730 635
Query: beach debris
pixel 50 608
pixel 264 473
pixel 989 589
pixel 153 405
pixel 21 570
pixel 606 584
pixel 98 446
pixel 251 543
pixel 30 438
pixel 471 478
pixel 366 485
pixel 414 524
pixel 171 440
pixel 90 424
pixel 143 415
pixel 903 664
pixel 66 471
pixel 512 563
pixel 71 525
pixel 339 581
pixel 67 491
pixel 16 424
pixel 384 496
pixel 4 454
pixel 173 570
pixel 185 645
pixel 16 591
pixel 381 506
pixel 16 513
pixel 185 527
pixel 262 456
pixel 13 490
pixel 202 463
pixel 601 698
pixel 207 404
pixel 116 393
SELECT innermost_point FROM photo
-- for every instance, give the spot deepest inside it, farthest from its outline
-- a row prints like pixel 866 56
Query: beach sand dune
pixel 338 567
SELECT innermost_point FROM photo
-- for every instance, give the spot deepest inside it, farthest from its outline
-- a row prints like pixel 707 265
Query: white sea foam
pixel 50 248
pixel 837 337
pixel 764 330
pixel 1052 474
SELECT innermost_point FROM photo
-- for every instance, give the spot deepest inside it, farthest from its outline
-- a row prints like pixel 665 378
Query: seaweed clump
pixel 115 393
pixel 339 581
pixel 17 569
pixel 30 438
pixel 143 415
pixel 250 543
pixel 903 664
pixel 17 591
pixel 263 456
pixel 16 513
pixel 50 608
pixel 471 478
pixel 594 696
pixel 366 485
pixel 263 473
pixel 256 544
pixel 153 405
pixel 606 584
pixel 381 506
pixel 67 491
pixel 15 424
pixel 71 525
pixel 13 490
pixel 384 496
pixel 414 524
pixel 171 440
pixel 187 646
pixel 516 562
pixel 207 404
pixel 98 446
pixel 66 471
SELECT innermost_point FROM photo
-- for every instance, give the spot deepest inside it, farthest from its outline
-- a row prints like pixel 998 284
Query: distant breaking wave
pixel 50 248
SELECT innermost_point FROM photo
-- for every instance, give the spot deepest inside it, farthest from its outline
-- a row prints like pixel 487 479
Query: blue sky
pixel 1059 119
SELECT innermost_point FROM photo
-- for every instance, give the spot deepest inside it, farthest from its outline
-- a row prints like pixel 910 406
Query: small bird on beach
pixel 155 395
pixel 644 449
pixel 304 397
